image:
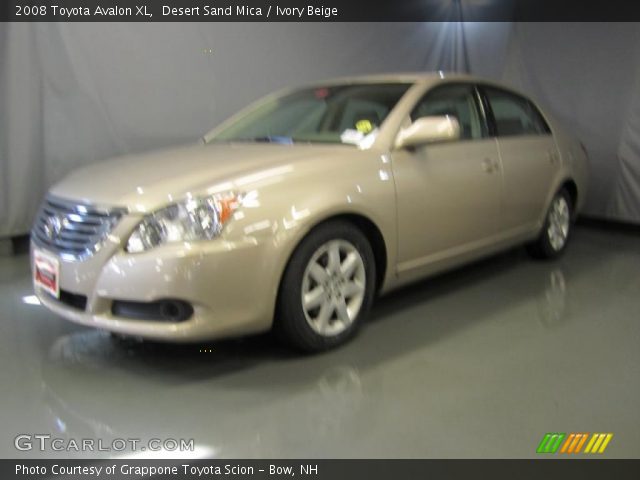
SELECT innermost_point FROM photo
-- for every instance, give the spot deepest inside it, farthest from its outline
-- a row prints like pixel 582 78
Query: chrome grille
pixel 72 230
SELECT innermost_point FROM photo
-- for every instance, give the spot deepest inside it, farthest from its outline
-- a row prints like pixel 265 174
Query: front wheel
pixel 326 289
pixel 557 227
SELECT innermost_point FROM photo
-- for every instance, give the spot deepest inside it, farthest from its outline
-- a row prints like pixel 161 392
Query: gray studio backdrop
pixel 73 94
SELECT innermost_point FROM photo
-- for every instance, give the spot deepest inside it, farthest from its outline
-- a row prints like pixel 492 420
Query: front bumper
pixel 232 287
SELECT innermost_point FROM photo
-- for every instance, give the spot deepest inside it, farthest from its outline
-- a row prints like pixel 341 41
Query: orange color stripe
pixel 574 443
pixel 582 440
pixel 567 442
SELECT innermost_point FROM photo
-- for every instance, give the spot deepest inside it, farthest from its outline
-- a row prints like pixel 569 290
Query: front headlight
pixel 198 218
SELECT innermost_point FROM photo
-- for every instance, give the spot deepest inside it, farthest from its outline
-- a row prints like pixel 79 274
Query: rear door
pixel 528 154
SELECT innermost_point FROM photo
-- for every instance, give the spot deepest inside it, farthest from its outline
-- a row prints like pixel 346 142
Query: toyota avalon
pixel 293 214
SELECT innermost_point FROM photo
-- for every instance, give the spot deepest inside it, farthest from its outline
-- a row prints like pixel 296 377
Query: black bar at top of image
pixel 547 469
pixel 321 10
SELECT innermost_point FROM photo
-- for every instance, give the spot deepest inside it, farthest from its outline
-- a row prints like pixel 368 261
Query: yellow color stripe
pixel 605 443
pixel 591 442
pixel 598 442
pixel 567 442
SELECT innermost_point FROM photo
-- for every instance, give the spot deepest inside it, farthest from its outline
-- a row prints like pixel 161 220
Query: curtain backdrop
pixel 74 93
pixel 588 75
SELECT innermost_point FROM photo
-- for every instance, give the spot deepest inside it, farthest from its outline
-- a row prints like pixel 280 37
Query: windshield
pixel 331 114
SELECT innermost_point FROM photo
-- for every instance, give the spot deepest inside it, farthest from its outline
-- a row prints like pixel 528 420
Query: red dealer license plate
pixel 46 272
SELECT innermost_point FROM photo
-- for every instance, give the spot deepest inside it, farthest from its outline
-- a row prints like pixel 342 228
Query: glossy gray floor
pixel 480 362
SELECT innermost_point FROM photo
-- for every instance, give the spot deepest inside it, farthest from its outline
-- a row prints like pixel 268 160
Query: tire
pixel 554 237
pixel 327 288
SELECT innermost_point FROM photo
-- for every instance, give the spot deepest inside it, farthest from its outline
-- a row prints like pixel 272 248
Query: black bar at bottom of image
pixel 319 469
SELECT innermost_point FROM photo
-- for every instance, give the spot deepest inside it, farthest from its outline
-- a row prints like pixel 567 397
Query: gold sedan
pixel 294 213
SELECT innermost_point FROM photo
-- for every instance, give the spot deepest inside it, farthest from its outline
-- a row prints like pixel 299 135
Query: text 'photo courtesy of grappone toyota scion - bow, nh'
pixel 296 212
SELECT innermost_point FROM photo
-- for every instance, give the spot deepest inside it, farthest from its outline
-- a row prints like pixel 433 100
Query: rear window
pixel 515 115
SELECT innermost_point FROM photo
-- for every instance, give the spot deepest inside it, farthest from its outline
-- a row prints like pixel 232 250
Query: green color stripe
pixel 550 442
pixel 543 444
pixel 556 446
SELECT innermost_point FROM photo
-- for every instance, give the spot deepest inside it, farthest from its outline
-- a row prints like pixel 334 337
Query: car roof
pixel 418 78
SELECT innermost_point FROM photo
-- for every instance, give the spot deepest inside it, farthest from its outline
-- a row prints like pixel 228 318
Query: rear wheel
pixel 326 289
pixel 556 230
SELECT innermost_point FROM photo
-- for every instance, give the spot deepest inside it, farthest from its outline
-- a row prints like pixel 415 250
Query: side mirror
pixel 429 130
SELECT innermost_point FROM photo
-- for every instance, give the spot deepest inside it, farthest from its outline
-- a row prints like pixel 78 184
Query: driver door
pixel 448 193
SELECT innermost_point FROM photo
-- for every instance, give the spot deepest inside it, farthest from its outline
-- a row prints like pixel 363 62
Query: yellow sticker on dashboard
pixel 364 126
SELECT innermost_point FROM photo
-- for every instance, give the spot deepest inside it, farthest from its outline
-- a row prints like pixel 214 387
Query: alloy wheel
pixel 333 287
pixel 559 221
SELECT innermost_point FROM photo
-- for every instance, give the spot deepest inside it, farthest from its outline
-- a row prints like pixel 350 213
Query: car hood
pixel 147 181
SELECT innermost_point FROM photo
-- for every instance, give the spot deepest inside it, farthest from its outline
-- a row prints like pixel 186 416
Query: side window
pixel 515 115
pixel 458 101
